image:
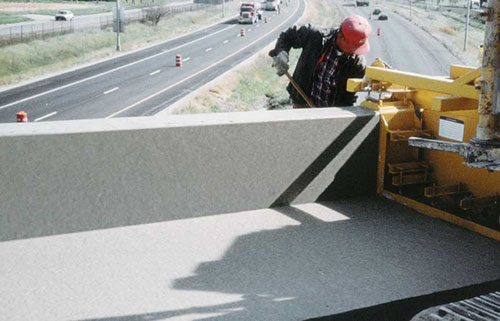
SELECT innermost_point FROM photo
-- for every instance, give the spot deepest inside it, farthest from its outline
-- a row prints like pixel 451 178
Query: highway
pixel 403 45
pixel 146 82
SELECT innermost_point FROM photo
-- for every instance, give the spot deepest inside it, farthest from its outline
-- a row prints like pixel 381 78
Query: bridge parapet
pixel 70 176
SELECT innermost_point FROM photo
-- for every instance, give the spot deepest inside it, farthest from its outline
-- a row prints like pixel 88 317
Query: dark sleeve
pixel 293 38
pixel 357 70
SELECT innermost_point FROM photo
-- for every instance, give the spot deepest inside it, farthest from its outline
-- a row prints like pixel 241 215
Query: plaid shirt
pixel 324 78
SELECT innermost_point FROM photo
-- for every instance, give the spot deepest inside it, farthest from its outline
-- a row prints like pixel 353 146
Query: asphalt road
pixel 145 82
pixel 403 45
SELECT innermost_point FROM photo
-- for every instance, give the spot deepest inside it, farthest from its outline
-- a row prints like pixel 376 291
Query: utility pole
pixel 467 24
pixel 118 48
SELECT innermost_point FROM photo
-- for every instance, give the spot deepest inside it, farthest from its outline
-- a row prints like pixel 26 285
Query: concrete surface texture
pixel 286 263
pixel 63 177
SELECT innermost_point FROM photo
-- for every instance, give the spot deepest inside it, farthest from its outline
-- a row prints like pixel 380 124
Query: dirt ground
pixel 25 6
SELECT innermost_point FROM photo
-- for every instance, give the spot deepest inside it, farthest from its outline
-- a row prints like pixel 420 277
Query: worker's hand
pixel 280 62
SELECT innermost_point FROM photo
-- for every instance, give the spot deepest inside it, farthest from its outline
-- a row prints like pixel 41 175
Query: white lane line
pixel 208 49
pixel 155 72
pixel 226 41
pixel 46 116
pixel 249 29
pixel 204 69
pixel 111 90
pixel 112 70
pixel 186 59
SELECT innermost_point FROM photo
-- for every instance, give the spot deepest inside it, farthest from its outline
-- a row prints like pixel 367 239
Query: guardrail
pixel 41 30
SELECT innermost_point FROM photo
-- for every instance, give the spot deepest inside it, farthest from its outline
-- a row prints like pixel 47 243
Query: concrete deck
pixel 288 263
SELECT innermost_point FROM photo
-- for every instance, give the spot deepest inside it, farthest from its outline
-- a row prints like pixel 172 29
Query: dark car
pixel 376 11
pixel 383 17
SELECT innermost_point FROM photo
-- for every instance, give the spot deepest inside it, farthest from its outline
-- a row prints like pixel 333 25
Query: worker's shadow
pixel 362 253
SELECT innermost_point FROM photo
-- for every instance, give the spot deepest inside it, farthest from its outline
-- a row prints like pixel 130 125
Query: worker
pixel 326 62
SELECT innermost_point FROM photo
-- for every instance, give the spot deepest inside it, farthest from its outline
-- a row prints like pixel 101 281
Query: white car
pixel 64 15
pixel 271 5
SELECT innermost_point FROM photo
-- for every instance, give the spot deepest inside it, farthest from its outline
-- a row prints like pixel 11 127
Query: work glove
pixel 280 62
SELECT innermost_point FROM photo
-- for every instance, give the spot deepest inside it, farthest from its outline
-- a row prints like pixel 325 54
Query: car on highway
pixel 376 11
pixel 474 4
pixel 360 3
pixel 248 15
pixel 350 3
pixel 271 5
pixel 383 16
pixel 64 15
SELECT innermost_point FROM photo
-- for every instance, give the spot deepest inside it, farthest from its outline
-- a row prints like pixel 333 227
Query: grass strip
pixel 25 61
pixel 256 86
pixel 6 18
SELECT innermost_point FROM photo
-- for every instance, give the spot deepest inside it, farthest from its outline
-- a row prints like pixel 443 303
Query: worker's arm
pixel 292 38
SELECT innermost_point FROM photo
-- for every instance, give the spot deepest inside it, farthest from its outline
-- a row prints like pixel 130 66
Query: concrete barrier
pixel 62 177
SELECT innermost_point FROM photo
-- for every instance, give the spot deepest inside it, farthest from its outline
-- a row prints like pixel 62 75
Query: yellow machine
pixel 439 145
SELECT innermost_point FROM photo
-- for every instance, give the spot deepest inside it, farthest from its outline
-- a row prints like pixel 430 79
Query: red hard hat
pixel 356 31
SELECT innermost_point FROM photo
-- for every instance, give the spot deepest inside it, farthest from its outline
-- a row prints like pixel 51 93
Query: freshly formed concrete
pixel 287 263
pixel 62 177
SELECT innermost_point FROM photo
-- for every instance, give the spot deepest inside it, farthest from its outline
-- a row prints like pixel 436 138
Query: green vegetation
pixel 11 18
pixel 36 58
pixel 28 57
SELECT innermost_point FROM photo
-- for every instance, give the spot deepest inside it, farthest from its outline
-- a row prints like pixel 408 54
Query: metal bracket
pixel 476 154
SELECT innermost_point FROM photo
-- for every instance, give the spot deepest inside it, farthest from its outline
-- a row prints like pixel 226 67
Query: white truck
pixel 250 12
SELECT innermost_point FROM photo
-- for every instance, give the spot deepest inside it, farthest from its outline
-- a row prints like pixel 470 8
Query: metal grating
pixel 481 308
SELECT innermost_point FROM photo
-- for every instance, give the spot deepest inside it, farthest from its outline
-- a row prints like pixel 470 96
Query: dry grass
pixel 255 85
pixel 448 30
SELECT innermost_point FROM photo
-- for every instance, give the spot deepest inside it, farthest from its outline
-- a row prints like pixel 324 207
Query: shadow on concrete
pixel 350 167
pixel 357 176
pixel 383 253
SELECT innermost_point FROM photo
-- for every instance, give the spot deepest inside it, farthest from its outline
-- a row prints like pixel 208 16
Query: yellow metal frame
pixel 412 105
pixel 434 212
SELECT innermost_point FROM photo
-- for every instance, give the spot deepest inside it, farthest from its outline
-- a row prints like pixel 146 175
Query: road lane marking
pixel 46 116
pixel 187 59
pixel 112 70
pixel 208 49
pixel 226 41
pixel 155 72
pixel 111 90
pixel 204 69
pixel 249 30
